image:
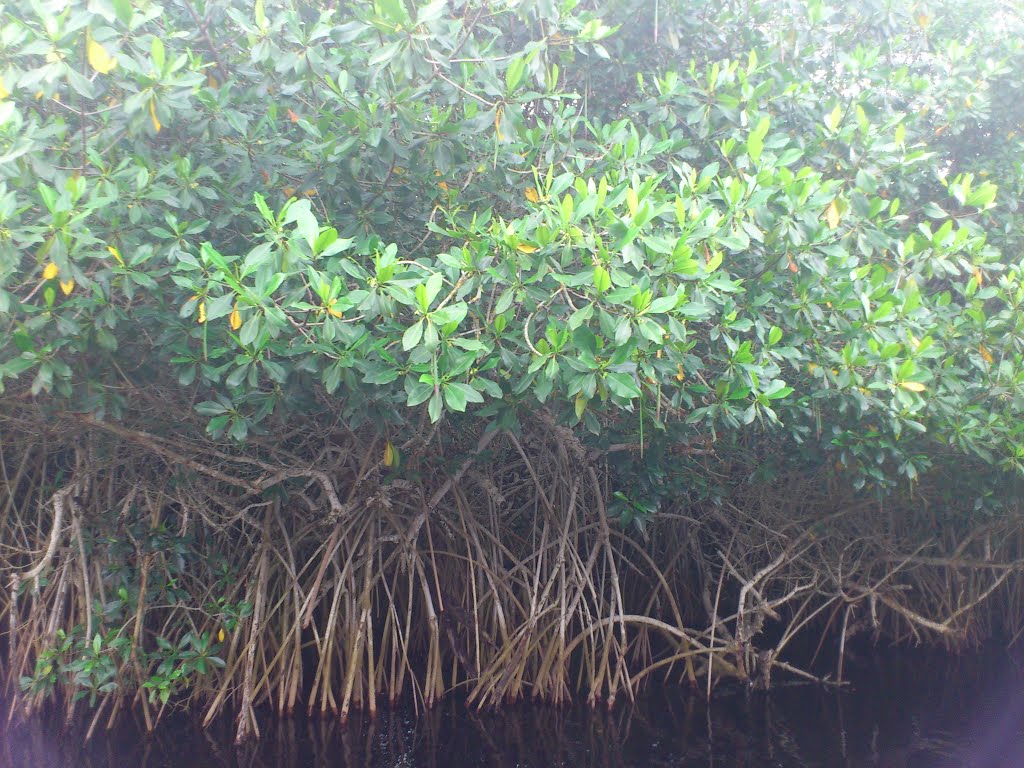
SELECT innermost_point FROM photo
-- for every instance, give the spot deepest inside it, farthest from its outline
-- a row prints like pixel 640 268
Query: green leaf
pixel 434 407
pixel 156 50
pixel 220 307
pixel 239 429
pixel 736 241
pixel 123 10
pixel 566 209
pixel 777 390
pixel 504 301
pixel 755 146
pixel 581 316
pixel 300 213
pixel 457 395
pixel 378 375
pixel 514 74
pixel 832 121
pixel 622 384
pixel 392 11
pixel 650 330
pixel 218 424
pixel 236 376
pixel 209 408
pixel 755 142
pixel 418 392
pixel 453 313
pixel 263 208
pixel 412 335
pixel 250 330
pixel 661 304
pixel 982 196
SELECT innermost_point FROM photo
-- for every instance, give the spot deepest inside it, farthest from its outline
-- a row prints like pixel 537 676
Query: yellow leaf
pixel 292 116
pixel 67 286
pixel 632 201
pixel 912 386
pixel 202 311
pixel 443 185
pixel 220 635
pixel 389 454
pixel 680 374
pixel 211 82
pixel 497 124
pixel 334 313
pixel 50 271
pixel 526 248
pixel 978 276
pixel 580 405
pixel 235 319
pixel 832 215
pixel 531 195
pixel 923 20
pixel 311 192
pixel 986 355
pixel 4 93
pixel 98 57
pixel 152 116
pixel 114 252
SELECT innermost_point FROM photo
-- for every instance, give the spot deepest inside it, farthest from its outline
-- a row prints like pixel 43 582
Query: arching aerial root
pixel 146 573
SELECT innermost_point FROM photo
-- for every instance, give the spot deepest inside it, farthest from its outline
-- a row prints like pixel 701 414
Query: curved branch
pixel 59 502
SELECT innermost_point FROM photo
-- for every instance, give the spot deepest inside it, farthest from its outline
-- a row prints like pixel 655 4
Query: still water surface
pixel 947 714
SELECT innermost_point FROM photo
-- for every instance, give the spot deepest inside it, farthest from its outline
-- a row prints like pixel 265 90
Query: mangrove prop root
pixel 156 573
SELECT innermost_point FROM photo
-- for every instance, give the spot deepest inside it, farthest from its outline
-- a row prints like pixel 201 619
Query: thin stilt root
pixel 237 582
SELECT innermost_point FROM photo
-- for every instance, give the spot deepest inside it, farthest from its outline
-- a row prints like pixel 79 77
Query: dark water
pixel 966 713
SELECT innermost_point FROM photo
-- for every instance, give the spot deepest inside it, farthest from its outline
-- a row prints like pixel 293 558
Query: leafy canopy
pixel 656 221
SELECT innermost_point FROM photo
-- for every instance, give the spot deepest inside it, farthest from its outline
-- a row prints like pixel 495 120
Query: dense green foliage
pixel 480 207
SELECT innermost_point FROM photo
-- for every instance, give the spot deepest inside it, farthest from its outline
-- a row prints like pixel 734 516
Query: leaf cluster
pixel 674 225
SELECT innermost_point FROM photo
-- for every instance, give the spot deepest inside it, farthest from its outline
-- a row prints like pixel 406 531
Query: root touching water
pixel 148 572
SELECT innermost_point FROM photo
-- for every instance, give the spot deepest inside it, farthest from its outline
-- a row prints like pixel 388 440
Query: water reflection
pixel 897 716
